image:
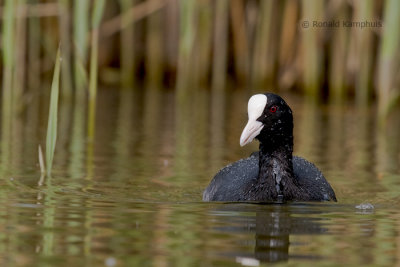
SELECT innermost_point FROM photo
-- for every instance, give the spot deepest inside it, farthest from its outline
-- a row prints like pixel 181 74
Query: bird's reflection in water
pixel 273 224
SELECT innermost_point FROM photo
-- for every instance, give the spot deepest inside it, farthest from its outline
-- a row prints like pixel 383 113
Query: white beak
pixel 252 129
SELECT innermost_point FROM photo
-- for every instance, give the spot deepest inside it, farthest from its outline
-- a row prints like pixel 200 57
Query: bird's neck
pixel 275 177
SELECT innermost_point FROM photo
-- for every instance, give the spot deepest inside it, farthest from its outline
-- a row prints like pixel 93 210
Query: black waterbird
pixel 272 174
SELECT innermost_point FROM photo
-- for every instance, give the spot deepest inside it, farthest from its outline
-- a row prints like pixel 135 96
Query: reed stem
pixel 97 14
pixel 80 33
pixel 363 81
pixel 262 56
pixel 388 63
pixel 127 55
pixel 53 115
pixel 219 68
pixel 186 42
pixel 154 41
pixel 8 53
pixel 240 42
pixel 338 55
pixel 65 27
pixel 312 66
pixel 19 61
pixel 8 68
pixel 34 45
pixel 203 44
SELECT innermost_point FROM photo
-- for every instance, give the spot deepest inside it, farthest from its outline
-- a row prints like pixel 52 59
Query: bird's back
pixel 311 179
pixel 231 182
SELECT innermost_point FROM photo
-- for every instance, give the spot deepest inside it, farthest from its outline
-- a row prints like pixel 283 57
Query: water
pixel 133 196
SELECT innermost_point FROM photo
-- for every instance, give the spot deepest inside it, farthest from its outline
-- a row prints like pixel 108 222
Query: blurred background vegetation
pixel 187 44
pixel 175 78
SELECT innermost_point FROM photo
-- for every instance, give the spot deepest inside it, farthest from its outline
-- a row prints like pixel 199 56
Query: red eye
pixel 273 109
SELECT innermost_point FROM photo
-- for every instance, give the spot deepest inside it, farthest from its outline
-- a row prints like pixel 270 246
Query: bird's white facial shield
pixel 253 127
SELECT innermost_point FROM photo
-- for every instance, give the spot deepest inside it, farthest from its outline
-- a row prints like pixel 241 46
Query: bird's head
pixel 270 121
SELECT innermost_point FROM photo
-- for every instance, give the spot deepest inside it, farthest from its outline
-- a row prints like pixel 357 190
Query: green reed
pixel 8 52
pixel 51 137
pixel 388 68
pixel 80 37
pixel 20 55
pixel 186 46
pixel 96 19
pixel 8 67
pixel 42 165
pixel 65 38
pixel 97 14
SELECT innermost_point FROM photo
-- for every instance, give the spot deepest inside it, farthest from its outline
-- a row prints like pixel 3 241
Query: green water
pixel 132 197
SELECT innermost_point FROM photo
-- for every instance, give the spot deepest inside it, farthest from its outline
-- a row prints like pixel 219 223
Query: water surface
pixel 132 196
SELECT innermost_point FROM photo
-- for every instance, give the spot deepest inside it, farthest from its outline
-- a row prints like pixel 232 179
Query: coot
pixel 272 173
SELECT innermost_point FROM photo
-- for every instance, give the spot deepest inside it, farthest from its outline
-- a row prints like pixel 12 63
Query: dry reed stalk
pixel 337 55
pixel 34 48
pixel 154 52
pixel 171 27
pixel 288 45
pixel 127 40
pixel 240 39
pixel 220 43
pixel 262 57
pixel 135 13
pixel 203 44
pixel 313 57
pixel 363 79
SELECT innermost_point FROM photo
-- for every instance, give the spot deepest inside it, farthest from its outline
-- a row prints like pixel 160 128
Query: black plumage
pixel 272 173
